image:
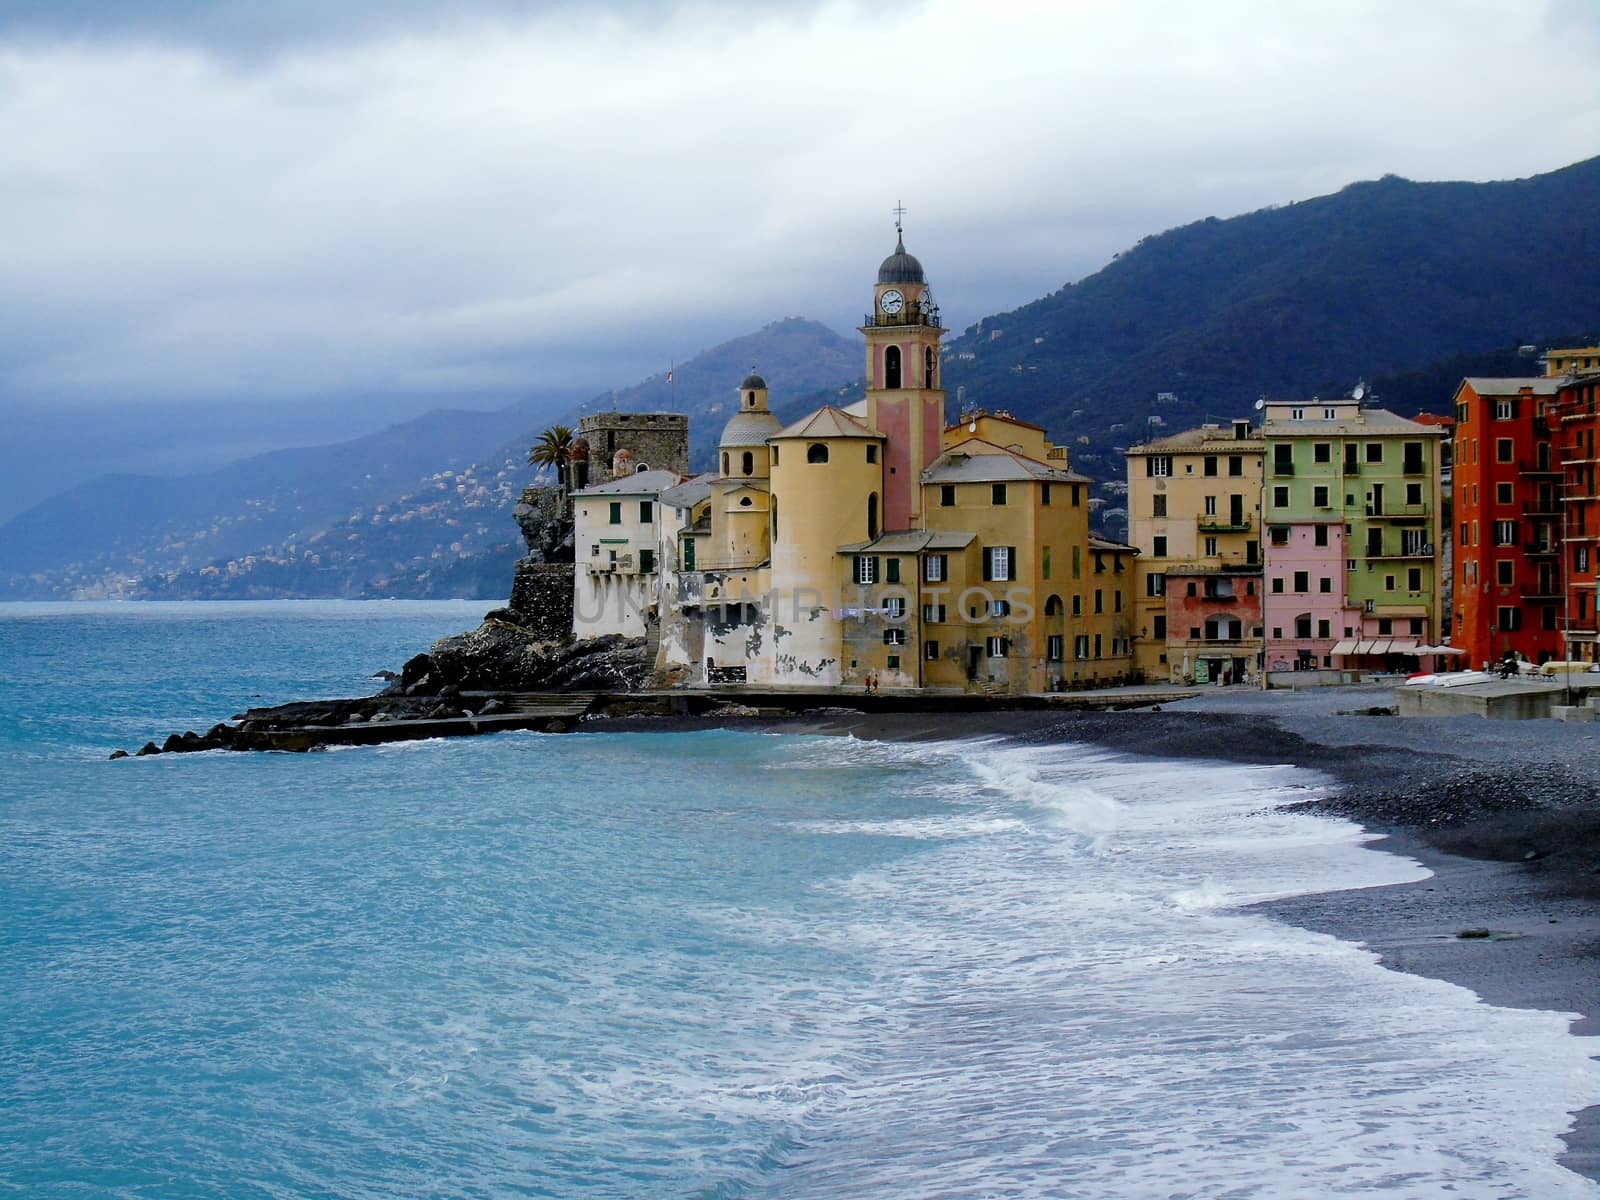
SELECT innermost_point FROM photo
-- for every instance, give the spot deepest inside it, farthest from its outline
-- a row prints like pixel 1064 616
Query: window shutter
pixel 1011 562
pixel 988 564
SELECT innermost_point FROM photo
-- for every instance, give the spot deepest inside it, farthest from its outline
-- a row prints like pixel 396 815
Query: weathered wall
pixel 658 441
pixel 541 596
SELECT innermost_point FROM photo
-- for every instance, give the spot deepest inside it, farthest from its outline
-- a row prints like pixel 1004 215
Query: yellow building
pixel 1194 513
pixel 876 543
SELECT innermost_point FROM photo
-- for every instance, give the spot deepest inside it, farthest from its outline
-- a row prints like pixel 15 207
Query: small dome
pixel 750 428
pixel 900 267
pixel 753 380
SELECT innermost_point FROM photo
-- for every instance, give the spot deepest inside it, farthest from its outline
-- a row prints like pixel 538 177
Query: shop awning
pixel 1342 648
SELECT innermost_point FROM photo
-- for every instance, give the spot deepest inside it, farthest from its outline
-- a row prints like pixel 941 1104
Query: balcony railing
pixel 906 316
pixel 1540 591
pixel 1535 468
pixel 1216 524
pixel 1537 548
pixel 1542 507
pixel 1398 512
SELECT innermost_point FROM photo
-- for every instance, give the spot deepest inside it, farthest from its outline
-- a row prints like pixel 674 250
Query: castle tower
pixel 904 400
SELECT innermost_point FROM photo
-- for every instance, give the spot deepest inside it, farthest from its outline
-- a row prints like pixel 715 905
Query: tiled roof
pixel 641 483
pixel 1203 438
pixel 994 465
pixel 910 541
pixel 690 492
pixel 827 422
pixel 1539 385
pixel 1373 422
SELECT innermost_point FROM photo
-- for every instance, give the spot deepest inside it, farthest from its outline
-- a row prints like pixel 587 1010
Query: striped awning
pixel 1342 648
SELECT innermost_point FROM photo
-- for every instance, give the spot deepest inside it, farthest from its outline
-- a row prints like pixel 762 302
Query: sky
pixel 390 205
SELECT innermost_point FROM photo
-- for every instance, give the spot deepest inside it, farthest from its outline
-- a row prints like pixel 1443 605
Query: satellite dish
pixel 1261 403
pixel 1360 393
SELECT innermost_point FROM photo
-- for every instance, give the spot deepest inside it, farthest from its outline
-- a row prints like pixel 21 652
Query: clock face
pixel 892 301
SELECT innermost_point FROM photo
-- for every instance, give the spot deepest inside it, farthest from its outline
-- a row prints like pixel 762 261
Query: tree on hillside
pixel 553 449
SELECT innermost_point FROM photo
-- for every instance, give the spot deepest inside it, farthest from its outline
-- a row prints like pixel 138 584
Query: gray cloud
pixel 383 200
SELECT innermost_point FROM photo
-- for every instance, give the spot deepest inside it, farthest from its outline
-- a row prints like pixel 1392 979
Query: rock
pixel 386 676
pixel 116 754
pixel 146 749
pixel 449 689
pixel 418 667
pixel 559 725
pixel 173 744
pixel 1473 933
pixel 492 706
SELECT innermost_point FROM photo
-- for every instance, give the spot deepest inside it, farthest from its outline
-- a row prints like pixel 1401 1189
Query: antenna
pixel 1360 393
pixel 1261 403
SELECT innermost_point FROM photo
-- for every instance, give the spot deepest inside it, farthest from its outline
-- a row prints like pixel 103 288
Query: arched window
pixel 1052 606
pixel 774 506
pixel 749 399
pixel 724 462
pixel 816 453
pixel 745 502
pixel 774 456
pixel 640 468
pixel 928 364
pixel 872 516
pixel 749 462
pixel 891 367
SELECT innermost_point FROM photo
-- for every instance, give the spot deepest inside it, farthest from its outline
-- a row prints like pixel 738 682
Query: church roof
pixel 750 428
pixel 995 465
pixel 752 380
pixel 690 492
pixel 827 422
pixel 900 267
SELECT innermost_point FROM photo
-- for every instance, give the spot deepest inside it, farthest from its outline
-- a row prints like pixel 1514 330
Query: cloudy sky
pixel 241 203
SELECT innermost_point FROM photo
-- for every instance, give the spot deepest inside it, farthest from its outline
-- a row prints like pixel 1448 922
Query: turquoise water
pixel 719 964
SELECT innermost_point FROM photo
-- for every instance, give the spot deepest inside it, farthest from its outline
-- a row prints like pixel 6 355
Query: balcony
pixel 1542 507
pixel 1399 512
pixel 1543 590
pixel 1533 468
pixel 909 316
pixel 1421 552
pixel 1541 548
pixel 1218 524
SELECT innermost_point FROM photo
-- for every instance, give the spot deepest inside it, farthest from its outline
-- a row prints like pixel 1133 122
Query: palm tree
pixel 553 449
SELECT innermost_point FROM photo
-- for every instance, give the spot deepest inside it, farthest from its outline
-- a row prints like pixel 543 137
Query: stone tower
pixel 658 441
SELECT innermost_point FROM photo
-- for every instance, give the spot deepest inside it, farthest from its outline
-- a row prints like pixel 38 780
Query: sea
pixel 713 964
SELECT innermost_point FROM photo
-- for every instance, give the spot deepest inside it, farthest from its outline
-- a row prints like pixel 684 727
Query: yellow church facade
pixel 874 543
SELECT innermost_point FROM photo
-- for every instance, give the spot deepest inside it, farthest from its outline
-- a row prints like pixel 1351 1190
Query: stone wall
pixel 658 441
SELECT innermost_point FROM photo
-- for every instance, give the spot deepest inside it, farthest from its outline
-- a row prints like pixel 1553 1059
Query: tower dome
pixel 901 267
pixel 753 423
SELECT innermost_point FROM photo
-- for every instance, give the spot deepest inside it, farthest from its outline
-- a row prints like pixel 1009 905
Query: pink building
pixel 1303 600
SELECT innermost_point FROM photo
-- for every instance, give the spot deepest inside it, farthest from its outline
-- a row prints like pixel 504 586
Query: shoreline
pixel 1505 815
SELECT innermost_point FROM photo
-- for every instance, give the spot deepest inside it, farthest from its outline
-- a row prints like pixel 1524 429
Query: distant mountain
pixel 422 509
pixel 1378 280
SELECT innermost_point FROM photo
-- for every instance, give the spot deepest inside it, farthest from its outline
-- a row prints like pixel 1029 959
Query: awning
pixel 1427 649
pixel 1403 646
pixel 1342 648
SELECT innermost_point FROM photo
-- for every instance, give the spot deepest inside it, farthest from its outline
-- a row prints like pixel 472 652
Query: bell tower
pixel 905 402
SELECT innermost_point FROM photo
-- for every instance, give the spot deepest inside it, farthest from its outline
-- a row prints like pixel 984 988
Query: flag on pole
pixel 669 374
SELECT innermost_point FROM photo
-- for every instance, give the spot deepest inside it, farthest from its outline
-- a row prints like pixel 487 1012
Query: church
pixel 869 542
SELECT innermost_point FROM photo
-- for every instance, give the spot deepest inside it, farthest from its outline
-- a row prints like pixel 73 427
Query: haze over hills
pixel 1396 282
pixel 405 512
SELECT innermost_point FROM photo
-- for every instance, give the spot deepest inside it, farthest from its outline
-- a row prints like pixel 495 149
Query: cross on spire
pixel 899 212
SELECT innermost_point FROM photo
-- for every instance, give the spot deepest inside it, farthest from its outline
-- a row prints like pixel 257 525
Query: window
pixel 647 561
pixel 1280 496
pixel 1158 546
pixel 1319 496
pixel 1099 600
pixel 1158 465
pixel 1277 585
pixel 647 511
pixel 891 367
pixel 1054 646
pixel 1413 579
pixel 997 494
pixel 866 569
pixel 930 651
pixel 1283 459
pixel 1324 629
pixel 1319 535
pixel 1158 627
pixel 1505 533
pixel 1080 646
pixel 1414 541
pixel 1077 605
pixel 872 452
pixel 997 647
pixel 1235 465
pixel 1302 625
pixel 947 495
pixel 774 457
pixel 1505 450
pixel 1374 452
pixel 1325 585
pixel 999 562
pixel 1322 452
pixel 1502 493
pixel 999 608
pixel 688 554
pixel 1077 561
pixel 893 662
pixel 1297 414
pixel 1413 493
pixel 724 462
pixel 894 637
pixel 933 568
pixel 891 570
pixel 1504 410
pixel 933 614
pixel 1504 573
pixel 1116 600
pixel 747 462
pixel 1508 619
pixel 894 607
pixel 1077 495
pixel 1211 464
pixel 872 515
pixel 1278 535
pixel 1302 581
pixel 1388 583
pixel 1211 547
pixel 616 512
pixel 1044 495
pixel 817 452
pixel 1155 584
pixel 1211 506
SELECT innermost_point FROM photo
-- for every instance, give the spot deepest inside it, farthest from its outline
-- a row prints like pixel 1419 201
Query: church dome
pixel 750 428
pixel 753 380
pixel 901 267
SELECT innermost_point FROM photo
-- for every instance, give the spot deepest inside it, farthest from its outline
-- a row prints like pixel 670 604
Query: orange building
pixel 1575 418
pixel 1507 583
